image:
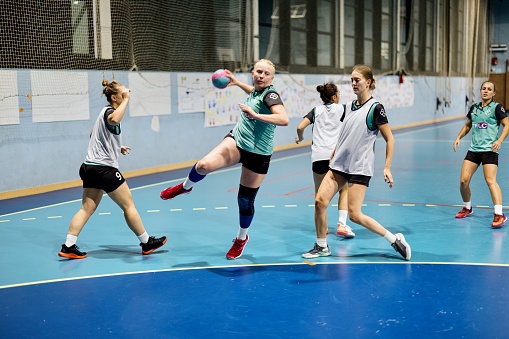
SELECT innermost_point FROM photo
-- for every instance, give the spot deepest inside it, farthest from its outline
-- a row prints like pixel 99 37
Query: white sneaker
pixel 345 231
pixel 316 252
pixel 402 247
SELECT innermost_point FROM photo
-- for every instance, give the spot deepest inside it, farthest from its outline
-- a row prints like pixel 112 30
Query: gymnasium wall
pixel 37 154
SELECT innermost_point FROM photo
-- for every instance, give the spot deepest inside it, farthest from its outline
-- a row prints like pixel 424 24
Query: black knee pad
pixel 246 198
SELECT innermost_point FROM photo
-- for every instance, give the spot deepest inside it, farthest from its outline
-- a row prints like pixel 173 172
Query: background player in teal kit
pixel 484 119
pixel 251 142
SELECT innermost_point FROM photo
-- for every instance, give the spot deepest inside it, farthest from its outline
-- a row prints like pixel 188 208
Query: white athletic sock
pixel 468 205
pixel 391 238
pixel 188 184
pixel 321 242
pixel 343 214
pixel 143 237
pixel 242 233
pixel 70 240
pixel 498 209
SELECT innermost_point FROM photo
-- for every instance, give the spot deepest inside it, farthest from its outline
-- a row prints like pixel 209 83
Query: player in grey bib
pixel 100 174
pixel 353 162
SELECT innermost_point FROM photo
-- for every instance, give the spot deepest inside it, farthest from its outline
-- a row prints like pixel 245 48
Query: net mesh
pixel 123 35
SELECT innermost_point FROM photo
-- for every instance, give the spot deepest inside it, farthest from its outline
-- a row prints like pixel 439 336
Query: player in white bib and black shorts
pixel 100 174
pixel 326 120
pixel 353 164
pixel 484 119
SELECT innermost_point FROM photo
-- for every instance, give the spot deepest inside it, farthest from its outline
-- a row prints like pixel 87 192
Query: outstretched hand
pixel 125 150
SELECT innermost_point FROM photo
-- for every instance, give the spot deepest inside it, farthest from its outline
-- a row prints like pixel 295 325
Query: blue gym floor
pixel 455 286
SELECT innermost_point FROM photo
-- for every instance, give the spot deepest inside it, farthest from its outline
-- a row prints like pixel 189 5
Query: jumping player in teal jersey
pixel 251 142
pixel 484 119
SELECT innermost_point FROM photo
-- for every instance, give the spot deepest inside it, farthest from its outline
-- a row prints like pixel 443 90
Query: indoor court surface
pixel 455 286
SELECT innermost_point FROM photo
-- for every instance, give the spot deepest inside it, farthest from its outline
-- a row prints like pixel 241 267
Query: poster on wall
pixel 388 91
pixel 393 94
pixel 297 97
pixel 150 94
pixel 59 96
pixel 9 103
pixel 192 88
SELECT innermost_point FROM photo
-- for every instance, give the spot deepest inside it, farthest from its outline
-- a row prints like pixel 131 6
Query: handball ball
pixel 219 79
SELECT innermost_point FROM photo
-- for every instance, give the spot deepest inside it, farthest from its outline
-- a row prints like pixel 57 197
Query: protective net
pixel 122 35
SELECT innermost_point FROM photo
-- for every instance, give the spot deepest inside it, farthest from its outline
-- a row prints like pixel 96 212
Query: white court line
pixel 249 265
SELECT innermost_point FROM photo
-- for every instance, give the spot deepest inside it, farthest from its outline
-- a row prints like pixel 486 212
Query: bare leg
pixel 90 200
pixel 467 171
pixel 490 175
pixel 223 155
pixel 356 195
pixel 123 198
pixel 329 187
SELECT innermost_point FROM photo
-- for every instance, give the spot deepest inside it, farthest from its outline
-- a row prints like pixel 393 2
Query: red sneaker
pixel 237 248
pixel 464 212
pixel 498 220
pixel 173 191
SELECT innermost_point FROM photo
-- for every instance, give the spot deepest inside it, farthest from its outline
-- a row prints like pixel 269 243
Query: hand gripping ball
pixel 219 79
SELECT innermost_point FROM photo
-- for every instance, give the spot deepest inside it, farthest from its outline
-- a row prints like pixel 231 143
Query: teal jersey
pixel 253 135
pixel 485 125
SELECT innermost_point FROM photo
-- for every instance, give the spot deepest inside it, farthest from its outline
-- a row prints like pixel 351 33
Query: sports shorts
pixel 257 163
pixel 482 157
pixel 320 166
pixel 354 178
pixel 106 178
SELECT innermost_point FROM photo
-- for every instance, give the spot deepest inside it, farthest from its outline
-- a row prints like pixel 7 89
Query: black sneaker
pixel 316 252
pixel 71 252
pixel 402 247
pixel 152 244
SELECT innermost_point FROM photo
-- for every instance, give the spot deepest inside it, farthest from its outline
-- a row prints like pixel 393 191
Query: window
pixel 325 33
pixel 80 21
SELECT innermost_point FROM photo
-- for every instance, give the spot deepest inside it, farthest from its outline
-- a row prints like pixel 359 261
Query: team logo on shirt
pixel 503 109
pixel 273 96
pixel 382 112
pixel 482 125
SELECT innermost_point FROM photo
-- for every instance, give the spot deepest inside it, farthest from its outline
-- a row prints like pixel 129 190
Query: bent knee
pixel 203 167
pixel 321 203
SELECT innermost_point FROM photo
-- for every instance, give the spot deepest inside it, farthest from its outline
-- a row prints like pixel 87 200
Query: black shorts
pixel 257 163
pixel 105 178
pixel 482 157
pixel 320 166
pixel 354 178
